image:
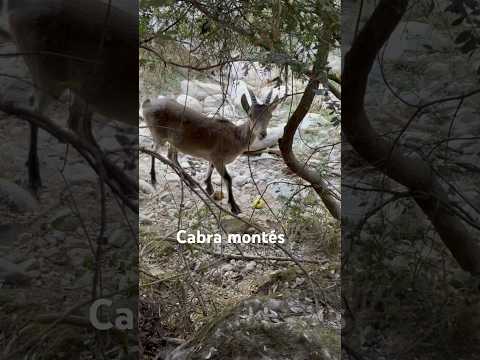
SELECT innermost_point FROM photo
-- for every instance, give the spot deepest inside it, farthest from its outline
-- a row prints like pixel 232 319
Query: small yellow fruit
pixel 258 203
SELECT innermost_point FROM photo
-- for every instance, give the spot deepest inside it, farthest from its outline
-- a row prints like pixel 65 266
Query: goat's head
pixel 259 114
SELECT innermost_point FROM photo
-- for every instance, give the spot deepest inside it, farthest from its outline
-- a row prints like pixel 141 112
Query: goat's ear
pixel 245 104
pixel 275 103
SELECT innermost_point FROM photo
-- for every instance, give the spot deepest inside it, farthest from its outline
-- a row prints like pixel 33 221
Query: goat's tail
pixel 146 103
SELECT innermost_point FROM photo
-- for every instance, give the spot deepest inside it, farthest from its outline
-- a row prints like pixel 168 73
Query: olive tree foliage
pixel 283 33
pixel 468 16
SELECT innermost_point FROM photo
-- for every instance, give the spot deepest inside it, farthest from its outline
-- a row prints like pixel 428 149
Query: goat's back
pixel 70 44
pixel 192 132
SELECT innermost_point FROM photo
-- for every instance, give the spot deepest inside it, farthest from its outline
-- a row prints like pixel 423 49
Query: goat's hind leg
pixel 173 156
pixel 153 174
pixel 80 121
pixel 33 163
pixel 222 170
pixel 208 179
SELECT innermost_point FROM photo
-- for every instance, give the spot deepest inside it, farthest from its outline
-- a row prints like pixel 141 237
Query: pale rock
pixel 145 219
pixel 109 142
pixel 240 180
pixel 144 136
pixel 412 37
pixel 250 266
pixel 78 174
pixel 275 304
pixel 86 280
pixel 335 61
pixel 64 220
pixel 13 273
pixel 58 235
pixel 120 237
pixel 15 197
pixel 189 102
pixel 79 257
pixel 312 119
pixel 227 112
pixel 145 187
pixel 170 177
pixel 467 116
pixel 236 90
pixel 215 101
pixel 198 89
pixel 227 267
pixel 8 235
pixel 29 265
pixel 262 96
pixel 437 70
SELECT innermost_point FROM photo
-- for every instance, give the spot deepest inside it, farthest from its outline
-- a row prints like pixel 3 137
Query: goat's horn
pixel 252 96
pixel 269 97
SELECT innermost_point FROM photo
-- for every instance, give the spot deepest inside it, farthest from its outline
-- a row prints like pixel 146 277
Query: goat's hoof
pixel 35 183
pixel 34 187
pixel 153 181
pixel 236 209
pixel 217 196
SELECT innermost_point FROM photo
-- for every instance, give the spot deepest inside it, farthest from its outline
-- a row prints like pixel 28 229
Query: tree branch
pixel 286 145
pixel 83 147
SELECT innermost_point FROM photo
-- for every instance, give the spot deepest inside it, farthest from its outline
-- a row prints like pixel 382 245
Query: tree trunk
pixel 286 142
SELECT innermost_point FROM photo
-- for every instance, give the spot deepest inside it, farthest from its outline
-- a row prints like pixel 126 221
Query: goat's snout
pixel 263 134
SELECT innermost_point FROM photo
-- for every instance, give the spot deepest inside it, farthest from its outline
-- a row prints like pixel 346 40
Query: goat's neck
pixel 247 136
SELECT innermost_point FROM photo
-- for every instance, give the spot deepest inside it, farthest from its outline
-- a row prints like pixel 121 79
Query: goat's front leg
pixel 153 174
pixel 208 179
pixel 33 164
pixel 173 156
pixel 222 170
pixel 80 121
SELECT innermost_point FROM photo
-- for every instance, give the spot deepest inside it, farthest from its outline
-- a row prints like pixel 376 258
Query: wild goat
pixel 217 140
pixel 84 46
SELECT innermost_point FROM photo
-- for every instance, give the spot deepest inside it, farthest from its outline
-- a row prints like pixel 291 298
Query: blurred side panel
pixel 68 179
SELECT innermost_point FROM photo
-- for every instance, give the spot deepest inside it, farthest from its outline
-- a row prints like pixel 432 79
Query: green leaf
pixel 469 46
pixel 458 21
pixel 463 36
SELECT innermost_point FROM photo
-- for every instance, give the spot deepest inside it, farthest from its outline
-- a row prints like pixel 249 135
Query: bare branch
pixel 286 147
